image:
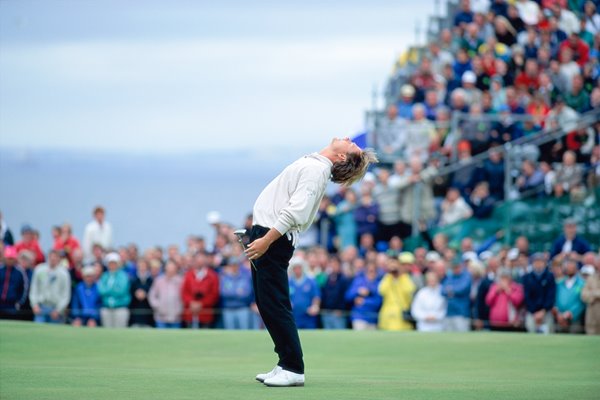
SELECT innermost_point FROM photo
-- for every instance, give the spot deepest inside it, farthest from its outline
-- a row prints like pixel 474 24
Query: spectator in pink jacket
pixel 165 298
pixel 504 299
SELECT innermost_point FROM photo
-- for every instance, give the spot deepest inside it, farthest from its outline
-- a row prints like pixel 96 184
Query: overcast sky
pixel 194 75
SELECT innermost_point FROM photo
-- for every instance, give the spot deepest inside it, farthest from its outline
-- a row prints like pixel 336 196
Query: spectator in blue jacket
pixel 13 285
pixel 366 215
pixel 569 243
pixel 333 296
pixel 456 287
pixel 237 295
pixel 569 308
pixel 364 295
pixel 540 294
pixel 86 300
pixel 304 295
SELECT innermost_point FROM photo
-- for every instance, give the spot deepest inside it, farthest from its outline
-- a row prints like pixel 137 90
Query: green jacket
pixel 570 299
pixel 114 289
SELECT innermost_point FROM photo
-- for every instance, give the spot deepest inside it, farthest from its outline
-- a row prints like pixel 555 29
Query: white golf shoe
pixel 262 377
pixel 285 378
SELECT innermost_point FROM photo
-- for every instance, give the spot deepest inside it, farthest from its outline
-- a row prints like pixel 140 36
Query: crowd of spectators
pixel 510 69
pixel 369 284
pixel 515 69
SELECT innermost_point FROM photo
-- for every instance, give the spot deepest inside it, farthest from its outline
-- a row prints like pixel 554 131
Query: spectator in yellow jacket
pixel 397 289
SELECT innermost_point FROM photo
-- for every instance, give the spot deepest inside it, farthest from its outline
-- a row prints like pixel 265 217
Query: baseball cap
pixel 10 252
pixel 112 257
pixel 469 77
pixel 88 270
pixel 213 217
pixel 588 270
pixel 432 256
pixel 407 90
pixel 406 258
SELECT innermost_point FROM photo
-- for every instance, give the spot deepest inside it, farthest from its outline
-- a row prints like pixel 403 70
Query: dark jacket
pixel 481 309
pixel 580 245
pixel 540 291
pixel 141 312
pixel 14 288
pixel 334 291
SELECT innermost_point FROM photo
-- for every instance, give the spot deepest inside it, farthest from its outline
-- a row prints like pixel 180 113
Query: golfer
pixel 286 207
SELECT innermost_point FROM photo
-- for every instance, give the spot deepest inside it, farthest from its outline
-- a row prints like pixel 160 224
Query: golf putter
pixel 240 233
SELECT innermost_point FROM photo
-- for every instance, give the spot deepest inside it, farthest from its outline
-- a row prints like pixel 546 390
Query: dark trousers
pixel 272 293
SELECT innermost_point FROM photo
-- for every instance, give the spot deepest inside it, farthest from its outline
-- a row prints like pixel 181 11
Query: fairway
pixel 60 362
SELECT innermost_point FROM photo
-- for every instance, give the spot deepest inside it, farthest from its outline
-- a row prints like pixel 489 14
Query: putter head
pixel 240 233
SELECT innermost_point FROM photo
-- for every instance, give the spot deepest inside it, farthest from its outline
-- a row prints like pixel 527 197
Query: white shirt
pixel 429 302
pixel 96 234
pixel 291 200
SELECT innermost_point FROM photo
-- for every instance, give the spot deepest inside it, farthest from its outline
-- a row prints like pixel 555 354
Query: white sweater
pixel 429 302
pixel 50 286
pixel 291 200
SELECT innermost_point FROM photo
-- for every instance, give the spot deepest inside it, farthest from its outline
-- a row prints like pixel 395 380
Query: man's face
pixel 99 216
pixel 570 230
pixel 344 146
pixel 539 265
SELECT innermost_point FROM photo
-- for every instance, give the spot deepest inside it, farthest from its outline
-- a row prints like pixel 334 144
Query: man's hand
pixel 195 307
pixel 36 309
pixel 359 301
pixel 363 291
pixel 538 316
pixel 54 314
pixel 313 310
pixel 257 248
pixel 140 294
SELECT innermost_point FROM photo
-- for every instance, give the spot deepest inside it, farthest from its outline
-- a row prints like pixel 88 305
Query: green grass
pixel 60 362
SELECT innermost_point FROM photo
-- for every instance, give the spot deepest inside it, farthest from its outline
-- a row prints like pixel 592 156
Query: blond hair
pixel 353 168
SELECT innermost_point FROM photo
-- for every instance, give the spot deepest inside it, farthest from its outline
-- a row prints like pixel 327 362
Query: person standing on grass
pixel 114 288
pixel 50 291
pixel 288 205
pixel 165 298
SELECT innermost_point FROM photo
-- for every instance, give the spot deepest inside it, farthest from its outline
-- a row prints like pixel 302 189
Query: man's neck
pixel 327 153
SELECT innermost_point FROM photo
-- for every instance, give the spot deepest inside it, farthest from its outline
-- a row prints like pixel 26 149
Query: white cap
pixel 470 256
pixel 588 270
pixel 88 270
pixel 469 77
pixel 432 256
pixel 213 217
pixel 407 90
pixel 112 257
pixel 299 261
pixel 513 254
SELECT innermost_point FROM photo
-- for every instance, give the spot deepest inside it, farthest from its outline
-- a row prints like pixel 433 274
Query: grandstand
pixel 546 116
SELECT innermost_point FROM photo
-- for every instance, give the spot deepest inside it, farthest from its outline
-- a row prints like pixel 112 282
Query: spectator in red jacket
pixel 29 242
pixel 200 293
pixel 581 51
pixel 529 78
pixel 67 243
pixel 504 299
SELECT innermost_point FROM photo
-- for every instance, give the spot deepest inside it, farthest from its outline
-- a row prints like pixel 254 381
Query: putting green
pixel 61 362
